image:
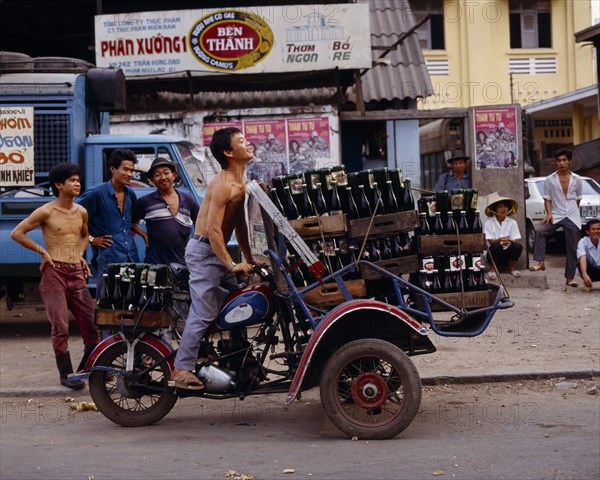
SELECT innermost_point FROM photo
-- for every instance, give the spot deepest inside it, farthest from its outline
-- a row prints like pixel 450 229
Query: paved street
pixel 505 430
pixel 505 427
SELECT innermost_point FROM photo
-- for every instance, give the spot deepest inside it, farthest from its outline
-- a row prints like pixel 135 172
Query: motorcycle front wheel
pixel 370 389
pixel 132 400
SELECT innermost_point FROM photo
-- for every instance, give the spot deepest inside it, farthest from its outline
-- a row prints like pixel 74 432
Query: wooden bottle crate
pixel 449 244
pixel 384 225
pixel 330 295
pixel 397 266
pixel 469 300
pixel 311 228
pixel 128 319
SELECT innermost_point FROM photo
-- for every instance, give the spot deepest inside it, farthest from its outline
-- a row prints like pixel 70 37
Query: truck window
pixel 145 157
pixel 195 167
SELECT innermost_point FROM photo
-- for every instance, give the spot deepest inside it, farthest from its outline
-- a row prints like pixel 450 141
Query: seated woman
pixel 502 234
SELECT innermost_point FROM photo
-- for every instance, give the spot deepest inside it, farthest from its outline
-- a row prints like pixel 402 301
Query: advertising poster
pixel 209 128
pixel 259 39
pixel 308 142
pixel 281 146
pixel 16 147
pixel 495 138
pixel 268 138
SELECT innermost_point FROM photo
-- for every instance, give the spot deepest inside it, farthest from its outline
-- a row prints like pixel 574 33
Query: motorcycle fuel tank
pixel 248 306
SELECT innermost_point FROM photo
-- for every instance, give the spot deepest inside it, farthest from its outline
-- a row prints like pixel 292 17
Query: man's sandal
pixel 537 268
pixel 185 379
pixel 571 283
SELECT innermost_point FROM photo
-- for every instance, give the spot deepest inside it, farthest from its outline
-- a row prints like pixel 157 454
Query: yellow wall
pixel 478 50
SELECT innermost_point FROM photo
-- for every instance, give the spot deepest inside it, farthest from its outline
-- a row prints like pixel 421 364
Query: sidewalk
pixel 552 331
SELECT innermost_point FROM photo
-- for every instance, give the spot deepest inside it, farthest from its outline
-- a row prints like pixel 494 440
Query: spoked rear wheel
pixel 370 389
pixel 131 400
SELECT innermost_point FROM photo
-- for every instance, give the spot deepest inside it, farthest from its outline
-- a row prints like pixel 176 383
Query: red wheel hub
pixel 369 390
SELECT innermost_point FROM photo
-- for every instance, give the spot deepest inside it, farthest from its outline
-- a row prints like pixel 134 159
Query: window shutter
pixel 529 31
pixel 544 30
pixel 437 32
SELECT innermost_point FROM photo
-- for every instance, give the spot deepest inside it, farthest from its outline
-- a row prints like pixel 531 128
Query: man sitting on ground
pixel 502 233
pixel 588 254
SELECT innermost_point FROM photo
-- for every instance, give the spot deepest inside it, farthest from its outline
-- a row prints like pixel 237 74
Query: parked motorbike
pixel 267 339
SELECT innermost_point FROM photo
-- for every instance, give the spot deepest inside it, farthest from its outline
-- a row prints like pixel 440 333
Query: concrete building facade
pixel 514 51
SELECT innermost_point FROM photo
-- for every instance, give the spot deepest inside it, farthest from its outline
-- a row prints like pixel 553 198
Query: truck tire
pixel 13 62
pixel 61 65
pixel 132 404
pixel 370 389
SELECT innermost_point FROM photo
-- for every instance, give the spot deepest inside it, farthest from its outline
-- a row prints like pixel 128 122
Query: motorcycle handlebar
pixel 263 272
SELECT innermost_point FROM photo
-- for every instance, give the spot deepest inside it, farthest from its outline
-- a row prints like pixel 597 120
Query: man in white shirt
pixel 588 254
pixel 502 235
pixel 562 194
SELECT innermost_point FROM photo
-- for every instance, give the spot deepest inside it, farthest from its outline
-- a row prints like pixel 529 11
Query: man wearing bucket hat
pixel 456 178
pixel 502 233
pixel 169 213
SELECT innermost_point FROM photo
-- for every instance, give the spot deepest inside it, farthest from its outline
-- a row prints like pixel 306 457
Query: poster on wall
pixel 16 147
pixel 281 146
pixel 308 143
pixel 495 137
pixel 208 129
pixel 268 138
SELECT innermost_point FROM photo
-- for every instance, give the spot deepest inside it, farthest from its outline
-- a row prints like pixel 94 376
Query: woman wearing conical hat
pixel 502 233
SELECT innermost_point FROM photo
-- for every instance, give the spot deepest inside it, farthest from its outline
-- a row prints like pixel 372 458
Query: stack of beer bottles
pixel 134 295
pixel 363 215
pixel 450 246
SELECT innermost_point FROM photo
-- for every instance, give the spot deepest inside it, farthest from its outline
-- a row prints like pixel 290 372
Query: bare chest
pixel 120 200
pixel 61 223
pixel 564 184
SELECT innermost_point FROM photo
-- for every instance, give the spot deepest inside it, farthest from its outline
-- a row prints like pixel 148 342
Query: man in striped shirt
pixel 169 214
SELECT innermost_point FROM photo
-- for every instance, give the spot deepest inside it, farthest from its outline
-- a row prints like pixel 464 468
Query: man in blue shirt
pixel 109 207
pixel 169 213
pixel 457 178
pixel 588 254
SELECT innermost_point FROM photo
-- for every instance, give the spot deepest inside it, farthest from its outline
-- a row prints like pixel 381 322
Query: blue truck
pixel 71 102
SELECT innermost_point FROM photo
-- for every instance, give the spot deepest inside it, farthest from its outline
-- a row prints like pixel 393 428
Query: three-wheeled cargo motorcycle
pixel 268 339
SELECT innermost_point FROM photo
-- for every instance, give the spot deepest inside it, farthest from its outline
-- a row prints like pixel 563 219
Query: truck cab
pixel 18 263
pixel 71 101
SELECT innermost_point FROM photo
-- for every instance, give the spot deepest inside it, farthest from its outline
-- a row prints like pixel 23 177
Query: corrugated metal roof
pixel 295 99
pixel 402 73
pixel 587 153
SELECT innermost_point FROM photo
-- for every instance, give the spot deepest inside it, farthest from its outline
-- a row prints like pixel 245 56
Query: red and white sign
pixel 16 147
pixel 269 39
pixel 231 40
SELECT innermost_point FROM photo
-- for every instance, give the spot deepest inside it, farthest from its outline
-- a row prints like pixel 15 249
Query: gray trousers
pixel 210 283
pixel 572 233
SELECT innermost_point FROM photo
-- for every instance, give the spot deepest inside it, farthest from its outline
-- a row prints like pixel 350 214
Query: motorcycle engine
pixel 236 356
pixel 215 379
